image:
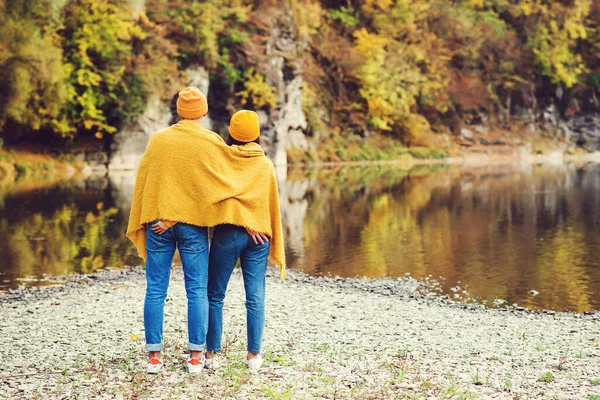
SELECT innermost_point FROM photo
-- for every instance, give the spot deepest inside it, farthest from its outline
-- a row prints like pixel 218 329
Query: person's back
pixel 173 158
pixel 160 187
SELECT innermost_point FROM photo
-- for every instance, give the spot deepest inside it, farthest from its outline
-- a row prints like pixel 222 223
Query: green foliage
pixel 31 76
pixel 436 59
pixel 202 29
pixel 558 29
pixel 344 15
pixel 23 169
pixel 95 70
pixel 547 377
pixel 97 39
pixel 402 67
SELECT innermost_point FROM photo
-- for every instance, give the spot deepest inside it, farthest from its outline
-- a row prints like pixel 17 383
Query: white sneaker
pixel 194 365
pixel 255 363
pixel 212 363
pixel 154 365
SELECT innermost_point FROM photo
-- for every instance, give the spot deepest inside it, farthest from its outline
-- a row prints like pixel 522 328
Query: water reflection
pixel 61 230
pixel 499 232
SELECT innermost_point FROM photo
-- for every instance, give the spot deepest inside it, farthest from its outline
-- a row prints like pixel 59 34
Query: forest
pixel 407 69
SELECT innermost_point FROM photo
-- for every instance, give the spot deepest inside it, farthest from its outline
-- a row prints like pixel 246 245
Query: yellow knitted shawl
pixel 188 174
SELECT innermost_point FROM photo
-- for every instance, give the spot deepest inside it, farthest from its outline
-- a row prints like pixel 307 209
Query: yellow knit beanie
pixel 244 126
pixel 192 103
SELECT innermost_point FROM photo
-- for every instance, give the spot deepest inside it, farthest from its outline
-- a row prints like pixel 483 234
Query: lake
pixel 522 233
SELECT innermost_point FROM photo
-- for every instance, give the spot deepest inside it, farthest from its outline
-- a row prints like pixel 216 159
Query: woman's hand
pixel 257 237
pixel 159 227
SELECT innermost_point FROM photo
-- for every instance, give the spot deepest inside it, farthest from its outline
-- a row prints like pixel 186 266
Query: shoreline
pixel 23 166
pixel 87 340
pixel 474 159
pixel 403 288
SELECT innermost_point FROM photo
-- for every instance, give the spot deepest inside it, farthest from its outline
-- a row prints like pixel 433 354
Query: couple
pixel 190 179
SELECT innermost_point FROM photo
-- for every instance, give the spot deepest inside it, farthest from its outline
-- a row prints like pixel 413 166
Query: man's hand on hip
pixel 159 227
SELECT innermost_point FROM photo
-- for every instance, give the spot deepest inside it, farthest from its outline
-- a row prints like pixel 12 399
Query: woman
pixel 231 243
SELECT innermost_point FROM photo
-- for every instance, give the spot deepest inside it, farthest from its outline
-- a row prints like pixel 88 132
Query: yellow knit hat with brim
pixel 192 103
pixel 244 126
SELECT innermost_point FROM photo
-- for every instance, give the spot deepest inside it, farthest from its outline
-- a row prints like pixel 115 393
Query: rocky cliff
pixel 283 127
pixel 584 130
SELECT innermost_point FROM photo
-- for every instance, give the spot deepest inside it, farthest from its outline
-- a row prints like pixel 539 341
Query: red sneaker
pixel 195 365
pixel 154 365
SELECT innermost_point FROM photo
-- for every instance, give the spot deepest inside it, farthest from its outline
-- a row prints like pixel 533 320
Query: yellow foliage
pixel 370 44
pixel 307 16
pixel 416 127
pixel 402 68
pixel 555 41
pixel 383 5
pixel 257 91
pixel 475 3
pixel 31 79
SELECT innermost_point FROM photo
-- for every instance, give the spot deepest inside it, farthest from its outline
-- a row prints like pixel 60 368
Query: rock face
pixel 198 76
pixel 284 125
pixel 294 207
pixel 137 7
pixel 129 144
pixel 584 130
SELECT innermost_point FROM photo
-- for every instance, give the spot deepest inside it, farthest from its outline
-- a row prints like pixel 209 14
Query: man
pixel 191 240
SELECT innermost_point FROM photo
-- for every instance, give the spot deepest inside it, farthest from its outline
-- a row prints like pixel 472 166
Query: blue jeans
pixel 229 244
pixel 192 242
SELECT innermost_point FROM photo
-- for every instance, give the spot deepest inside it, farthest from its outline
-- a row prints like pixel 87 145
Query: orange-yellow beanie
pixel 192 103
pixel 244 126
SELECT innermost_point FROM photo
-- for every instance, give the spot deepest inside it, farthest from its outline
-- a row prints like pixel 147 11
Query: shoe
pixel 255 363
pixel 154 365
pixel 194 365
pixel 212 363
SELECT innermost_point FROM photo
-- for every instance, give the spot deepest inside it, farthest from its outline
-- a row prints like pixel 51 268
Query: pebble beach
pixel 325 338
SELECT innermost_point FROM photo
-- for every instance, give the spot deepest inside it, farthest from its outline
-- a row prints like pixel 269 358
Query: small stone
pixel 27 387
pixel 79 157
pixel 482 130
pixel 466 133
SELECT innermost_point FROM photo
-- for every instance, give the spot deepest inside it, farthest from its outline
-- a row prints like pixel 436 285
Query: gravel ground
pixel 325 338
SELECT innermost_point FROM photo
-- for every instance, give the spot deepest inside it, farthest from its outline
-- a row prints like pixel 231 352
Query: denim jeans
pixel 229 244
pixel 192 242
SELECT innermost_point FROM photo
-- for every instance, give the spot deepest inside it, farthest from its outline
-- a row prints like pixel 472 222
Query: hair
pixel 231 141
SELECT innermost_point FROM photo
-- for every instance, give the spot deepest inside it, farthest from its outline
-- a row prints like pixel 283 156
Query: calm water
pixel 526 234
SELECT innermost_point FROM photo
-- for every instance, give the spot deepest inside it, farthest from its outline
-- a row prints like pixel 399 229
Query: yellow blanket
pixel 188 174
